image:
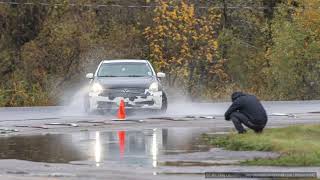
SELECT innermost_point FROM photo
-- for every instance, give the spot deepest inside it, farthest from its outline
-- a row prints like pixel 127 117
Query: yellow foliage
pixel 180 41
pixel 309 16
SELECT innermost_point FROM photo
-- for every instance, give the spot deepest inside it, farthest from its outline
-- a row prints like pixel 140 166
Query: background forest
pixel 208 48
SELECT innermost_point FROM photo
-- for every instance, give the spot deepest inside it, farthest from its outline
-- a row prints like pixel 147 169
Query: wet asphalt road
pixel 143 147
pixel 31 120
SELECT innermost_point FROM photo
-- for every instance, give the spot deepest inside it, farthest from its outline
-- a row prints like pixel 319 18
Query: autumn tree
pixel 207 48
pixel 295 54
pixel 45 50
pixel 184 44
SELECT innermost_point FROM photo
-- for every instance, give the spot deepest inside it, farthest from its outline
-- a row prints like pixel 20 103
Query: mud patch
pixel 198 163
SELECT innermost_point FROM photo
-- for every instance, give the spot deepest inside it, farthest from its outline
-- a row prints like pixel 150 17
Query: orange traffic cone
pixel 122 110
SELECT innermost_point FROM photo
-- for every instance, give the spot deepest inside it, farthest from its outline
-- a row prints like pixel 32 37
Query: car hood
pixel 125 82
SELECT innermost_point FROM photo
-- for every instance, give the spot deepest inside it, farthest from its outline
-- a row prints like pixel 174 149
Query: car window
pixel 127 69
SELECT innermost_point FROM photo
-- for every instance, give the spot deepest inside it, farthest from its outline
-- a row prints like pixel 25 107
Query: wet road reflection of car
pixel 128 147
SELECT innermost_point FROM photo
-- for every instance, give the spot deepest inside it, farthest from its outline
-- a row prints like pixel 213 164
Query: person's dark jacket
pixel 248 105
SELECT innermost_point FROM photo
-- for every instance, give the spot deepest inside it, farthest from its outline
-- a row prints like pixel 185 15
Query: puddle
pixel 141 148
pixel 43 148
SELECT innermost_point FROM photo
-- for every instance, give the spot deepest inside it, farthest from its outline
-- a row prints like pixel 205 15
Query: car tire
pixel 164 106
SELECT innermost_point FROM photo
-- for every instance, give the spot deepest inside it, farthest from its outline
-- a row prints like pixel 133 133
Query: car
pixel 134 81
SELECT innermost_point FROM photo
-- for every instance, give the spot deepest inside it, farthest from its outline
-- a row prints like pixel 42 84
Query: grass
pixel 298 145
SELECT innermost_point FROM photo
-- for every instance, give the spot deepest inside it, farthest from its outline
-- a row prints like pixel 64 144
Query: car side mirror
pixel 89 76
pixel 161 75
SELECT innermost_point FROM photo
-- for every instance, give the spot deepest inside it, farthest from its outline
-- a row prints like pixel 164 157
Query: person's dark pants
pixel 238 119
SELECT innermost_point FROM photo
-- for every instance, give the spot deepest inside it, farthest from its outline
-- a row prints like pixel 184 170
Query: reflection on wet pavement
pixel 129 147
pixel 48 148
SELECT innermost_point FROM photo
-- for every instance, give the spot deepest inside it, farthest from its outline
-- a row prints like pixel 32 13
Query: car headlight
pixel 96 88
pixel 154 87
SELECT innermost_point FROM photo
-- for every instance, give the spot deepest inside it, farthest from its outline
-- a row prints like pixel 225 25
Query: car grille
pixel 123 92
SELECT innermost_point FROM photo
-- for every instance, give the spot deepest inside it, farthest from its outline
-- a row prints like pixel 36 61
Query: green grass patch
pixel 298 145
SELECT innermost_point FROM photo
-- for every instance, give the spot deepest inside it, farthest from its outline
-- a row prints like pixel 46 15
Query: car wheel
pixel 164 106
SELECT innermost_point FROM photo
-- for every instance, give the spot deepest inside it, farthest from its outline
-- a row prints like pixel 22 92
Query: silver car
pixel 134 81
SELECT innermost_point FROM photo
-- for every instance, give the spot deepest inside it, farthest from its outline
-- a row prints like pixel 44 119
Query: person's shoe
pixel 258 131
pixel 242 132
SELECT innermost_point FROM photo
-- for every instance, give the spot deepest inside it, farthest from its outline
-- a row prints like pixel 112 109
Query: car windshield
pixel 125 69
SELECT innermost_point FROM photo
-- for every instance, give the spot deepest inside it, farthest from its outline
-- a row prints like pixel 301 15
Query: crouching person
pixel 246 109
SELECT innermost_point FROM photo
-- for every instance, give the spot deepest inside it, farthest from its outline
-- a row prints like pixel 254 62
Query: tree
pixel 184 45
pixel 295 54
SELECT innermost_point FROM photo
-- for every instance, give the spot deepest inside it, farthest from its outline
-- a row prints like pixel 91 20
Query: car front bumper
pixel 149 100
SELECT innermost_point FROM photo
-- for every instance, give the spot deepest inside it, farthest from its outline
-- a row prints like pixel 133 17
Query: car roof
pixel 125 60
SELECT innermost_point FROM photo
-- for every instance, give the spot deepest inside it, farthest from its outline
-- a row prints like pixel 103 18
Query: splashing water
pixel 76 105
